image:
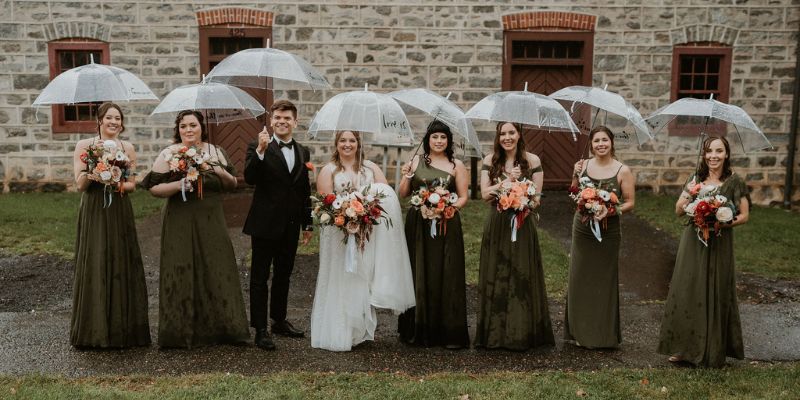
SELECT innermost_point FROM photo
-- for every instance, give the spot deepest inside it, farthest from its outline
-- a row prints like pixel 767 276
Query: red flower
pixel 375 212
pixel 84 157
pixel 365 219
pixel 329 199
pixel 573 190
pixel 702 208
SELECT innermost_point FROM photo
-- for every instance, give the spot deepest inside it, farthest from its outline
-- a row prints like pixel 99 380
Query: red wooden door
pixel 216 43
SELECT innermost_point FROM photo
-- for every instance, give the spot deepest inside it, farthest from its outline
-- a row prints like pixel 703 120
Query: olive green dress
pixel 701 317
pixel 109 302
pixel 437 264
pixel 512 310
pixel 200 295
pixel 591 315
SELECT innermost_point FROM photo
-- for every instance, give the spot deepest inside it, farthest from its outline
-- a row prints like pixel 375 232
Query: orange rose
pixel 614 198
pixel 100 167
pixel 357 206
pixel 519 189
pixel 449 212
pixel 504 202
pixel 515 202
pixel 338 220
pixel 588 193
pixel 440 205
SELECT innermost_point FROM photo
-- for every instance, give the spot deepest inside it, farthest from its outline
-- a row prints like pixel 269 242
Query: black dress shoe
pixel 264 340
pixel 284 328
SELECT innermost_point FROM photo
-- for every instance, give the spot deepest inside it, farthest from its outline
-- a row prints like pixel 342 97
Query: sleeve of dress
pixel 157 178
pixel 537 169
pixel 229 166
pixel 740 190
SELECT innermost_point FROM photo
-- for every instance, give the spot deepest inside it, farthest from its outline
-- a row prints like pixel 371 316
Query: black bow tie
pixel 289 144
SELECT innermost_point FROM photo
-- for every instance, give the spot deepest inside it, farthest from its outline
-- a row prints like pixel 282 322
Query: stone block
pixel 339 15
pixel 120 13
pixel 169 33
pixel 439 36
pixel 53 187
pixel 646 177
pixel 307 14
pixel 451 16
pixel 23 187
pixel 766 18
pixel 691 15
pixel 65 11
pixel 609 62
pixel 770 53
pixel 155 13
pixel 657 18
pixel 654 85
pixel 670 176
pixel 31 11
pixel 740 162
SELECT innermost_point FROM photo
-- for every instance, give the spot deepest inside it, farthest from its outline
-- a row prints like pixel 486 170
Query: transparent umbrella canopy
pixel 526 108
pixel 377 115
pixel 740 128
pixel 442 109
pixel 219 102
pixel 580 96
pixel 267 67
pixel 94 83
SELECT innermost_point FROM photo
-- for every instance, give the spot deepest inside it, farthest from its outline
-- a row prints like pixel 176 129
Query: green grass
pixel 45 222
pixel 748 382
pixel 765 246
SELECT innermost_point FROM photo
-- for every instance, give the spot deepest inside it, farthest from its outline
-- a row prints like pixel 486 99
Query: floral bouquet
pixel 436 204
pixel 517 197
pixel 108 165
pixel 708 210
pixel 354 213
pixel 187 162
pixel 595 204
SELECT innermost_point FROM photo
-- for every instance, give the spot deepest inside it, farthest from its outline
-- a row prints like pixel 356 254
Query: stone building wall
pixel 446 46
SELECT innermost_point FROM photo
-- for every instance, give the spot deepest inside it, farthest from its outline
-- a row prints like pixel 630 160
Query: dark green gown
pixel 109 301
pixel 512 310
pixel 701 317
pixel 437 264
pixel 591 315
pixel 200 295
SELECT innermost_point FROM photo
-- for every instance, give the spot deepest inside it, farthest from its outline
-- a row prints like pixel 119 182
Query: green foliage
pixel 766 245
pixel 45 222
pixel 748 382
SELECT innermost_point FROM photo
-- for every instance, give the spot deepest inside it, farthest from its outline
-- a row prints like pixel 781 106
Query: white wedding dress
pixel 344 302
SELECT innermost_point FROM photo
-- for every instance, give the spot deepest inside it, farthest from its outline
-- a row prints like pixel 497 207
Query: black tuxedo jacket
pixel 281 197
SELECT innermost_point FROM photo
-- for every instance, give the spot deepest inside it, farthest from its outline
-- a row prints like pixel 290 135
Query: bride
pixel 344 302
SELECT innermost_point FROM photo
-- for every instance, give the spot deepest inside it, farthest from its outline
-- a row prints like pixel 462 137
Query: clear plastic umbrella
pixel 94 83
pixel 256 68
pixel 609 102
pixel 444 110
pixel 739 126
pixel 377 115
pixel 220 102
pixel 526 108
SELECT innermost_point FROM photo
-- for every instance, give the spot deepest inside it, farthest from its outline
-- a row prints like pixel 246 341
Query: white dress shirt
pixel 288 153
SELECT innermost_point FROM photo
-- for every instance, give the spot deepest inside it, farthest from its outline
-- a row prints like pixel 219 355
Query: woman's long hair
pixel 608 132
pixel 176 137
pixel 103 110
pixel 437 126
pixel 337 160
pixel 702 170
pixel 499 155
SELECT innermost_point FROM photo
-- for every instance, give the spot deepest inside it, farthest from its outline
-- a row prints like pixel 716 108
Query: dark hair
pixel 176 137
pixel 437 126
pixel 702 169
pixel 499 154
pixel 337 161
pixel 608 132
pixel 284 105
pixel 103 110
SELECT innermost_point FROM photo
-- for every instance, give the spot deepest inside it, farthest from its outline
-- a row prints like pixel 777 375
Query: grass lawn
pixel 766 245
pixel 748 382
pixel 45 222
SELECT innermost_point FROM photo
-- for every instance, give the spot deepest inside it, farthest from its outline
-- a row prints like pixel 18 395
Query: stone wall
pixel 445 46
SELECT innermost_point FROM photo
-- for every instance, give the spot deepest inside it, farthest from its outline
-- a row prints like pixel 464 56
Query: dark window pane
pixel 699 82
pixel 712 82
pixel 84 113
pixel 713 64
pixel 517 50
pixel 65 61
pixel 560 52
pixel 686 82
pixel 700 65
pixel 217 46
pixel 70 113
pixel 686 65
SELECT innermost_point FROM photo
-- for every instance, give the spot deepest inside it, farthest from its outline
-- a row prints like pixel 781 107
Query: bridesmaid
pixel 200 295
pixel 512 311
pixel 701 318
pixel 109 302
pixel 440 317
pixel 591 316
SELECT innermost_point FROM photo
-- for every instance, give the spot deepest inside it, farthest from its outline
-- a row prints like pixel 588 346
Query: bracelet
pixel 408 176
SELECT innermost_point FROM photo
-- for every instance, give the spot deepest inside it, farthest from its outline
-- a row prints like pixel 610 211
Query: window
pixel 66 54
pixel 700 70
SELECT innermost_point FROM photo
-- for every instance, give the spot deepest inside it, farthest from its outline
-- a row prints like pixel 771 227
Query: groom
pixel 277 167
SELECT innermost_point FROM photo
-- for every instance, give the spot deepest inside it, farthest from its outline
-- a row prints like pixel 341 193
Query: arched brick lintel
pixel 233 15
pixel 549 19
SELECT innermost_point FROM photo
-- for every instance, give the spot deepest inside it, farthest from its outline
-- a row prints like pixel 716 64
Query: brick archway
pixel 234 15
pixel 560 20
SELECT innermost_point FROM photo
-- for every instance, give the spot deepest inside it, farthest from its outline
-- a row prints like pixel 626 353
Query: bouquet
pixel 354 213
pixel 436 204
pixel 517 197
pixel 595 204
pixel 108 165
pixel 187 162
pixel 708 210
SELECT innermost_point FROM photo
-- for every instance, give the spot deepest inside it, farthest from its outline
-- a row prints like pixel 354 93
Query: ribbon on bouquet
pixel 433 228
pixel 350 254
pixel 595 227
pixel 183 189
pixel 108 196
pixel 514 228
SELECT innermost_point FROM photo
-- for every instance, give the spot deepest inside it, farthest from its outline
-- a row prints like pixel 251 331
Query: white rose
pixel 206 156
pixel 604 195
pixel 595 207
pixel 109 144
pixel 324 218
pixel 689 208
pixel 350 212
pixel 191 152
pixel 706 189
pixel 369 199
pixel 586 182
pixel 105 175
pixel 453 198
pixel 416 200
pixel 434 198
pixel 724 214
